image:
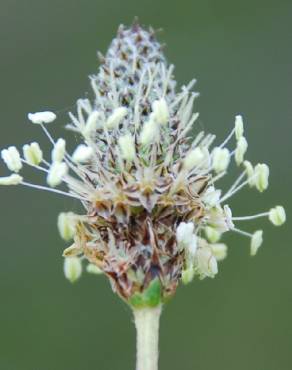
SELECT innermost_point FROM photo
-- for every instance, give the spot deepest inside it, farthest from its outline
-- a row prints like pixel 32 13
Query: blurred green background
pixel 240 52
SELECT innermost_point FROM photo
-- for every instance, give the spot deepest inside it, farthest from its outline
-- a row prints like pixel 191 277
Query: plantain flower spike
pixel 154 210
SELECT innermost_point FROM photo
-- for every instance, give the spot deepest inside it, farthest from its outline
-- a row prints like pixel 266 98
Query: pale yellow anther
pixel 206 263
pixel 256 242
pixel 72 268
pixel 219 251
pixel 67 227
pixel 187 275
pixel 12 159
pixel 82 154
pixel 239 129
pixel 42 117
pixel 160 111
pixel 93 269
pixel 149 133
pixel 59 150
pixel 220 159
pixel 32 153
pixel 261 178
pixel 13 179
pixel 240 150
pixel 277 215
pixel 116 118
pixel 91 124
pixel 57 172
pixel 250 173
pixel 193 159
pixel 212 234
pixel 127 146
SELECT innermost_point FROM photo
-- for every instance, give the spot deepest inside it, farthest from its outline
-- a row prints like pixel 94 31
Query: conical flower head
pixel 153 211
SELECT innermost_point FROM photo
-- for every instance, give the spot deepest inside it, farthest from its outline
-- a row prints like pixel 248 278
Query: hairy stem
pixel 147 326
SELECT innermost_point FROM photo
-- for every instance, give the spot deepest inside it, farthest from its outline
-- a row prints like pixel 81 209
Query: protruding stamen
pixel 59 150
pixel 277 215
pixel 194 158
pixel 56 173
pixel 240 150
pixel 250 173
pixel 12 159
pixel 184 232
pixel 206 263
pixel 72 268
pixel 261 176
pixel 256 242
pixel 160 111
pixel 220 159
pixel 188 275
pixel 33 154
pixel 149 132
pixel 93 269
pixel 82 154
pixel 219 251
pixel 212 234
pixel 239 129
pixel 66 225
pixel 42 117
pixel 127 146
pixel 13 179
pixel 212 196
pixel 91 124
pixel 115 118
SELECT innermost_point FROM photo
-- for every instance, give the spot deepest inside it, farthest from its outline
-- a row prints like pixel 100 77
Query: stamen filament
pixel 227 139
pixel 252 217
pixel 241 232
pixel 57 191
pixel 47 134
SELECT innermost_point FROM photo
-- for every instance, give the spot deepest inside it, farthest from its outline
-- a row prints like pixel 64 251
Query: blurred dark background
pixel 240 52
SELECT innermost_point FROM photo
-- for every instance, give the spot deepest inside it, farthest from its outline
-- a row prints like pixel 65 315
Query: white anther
pixel 219 251
pixel 239 129
pixel 250 173
pixel 220 159
pixel 212 234
pixel 160 111
pixel 56 173
pixel 115 118
pixel 261 176
pixel 66 225
pixel 72 268
pixel 93 269
pixel 91 124
pixel 32 153
pixel 149 133
pixel 188 275
pixel 277 215
pixel 193 159
pixel 206 263
pixel 184 233
pixel 82 154
pixel 12 159
pixel 13 179
pixel 256 242
pixel 211 196
pixel 42 117
pixel 59 150
pixel 240 150
pixel 127 146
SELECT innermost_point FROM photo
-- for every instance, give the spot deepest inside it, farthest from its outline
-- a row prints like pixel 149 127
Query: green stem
pixel 147 327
